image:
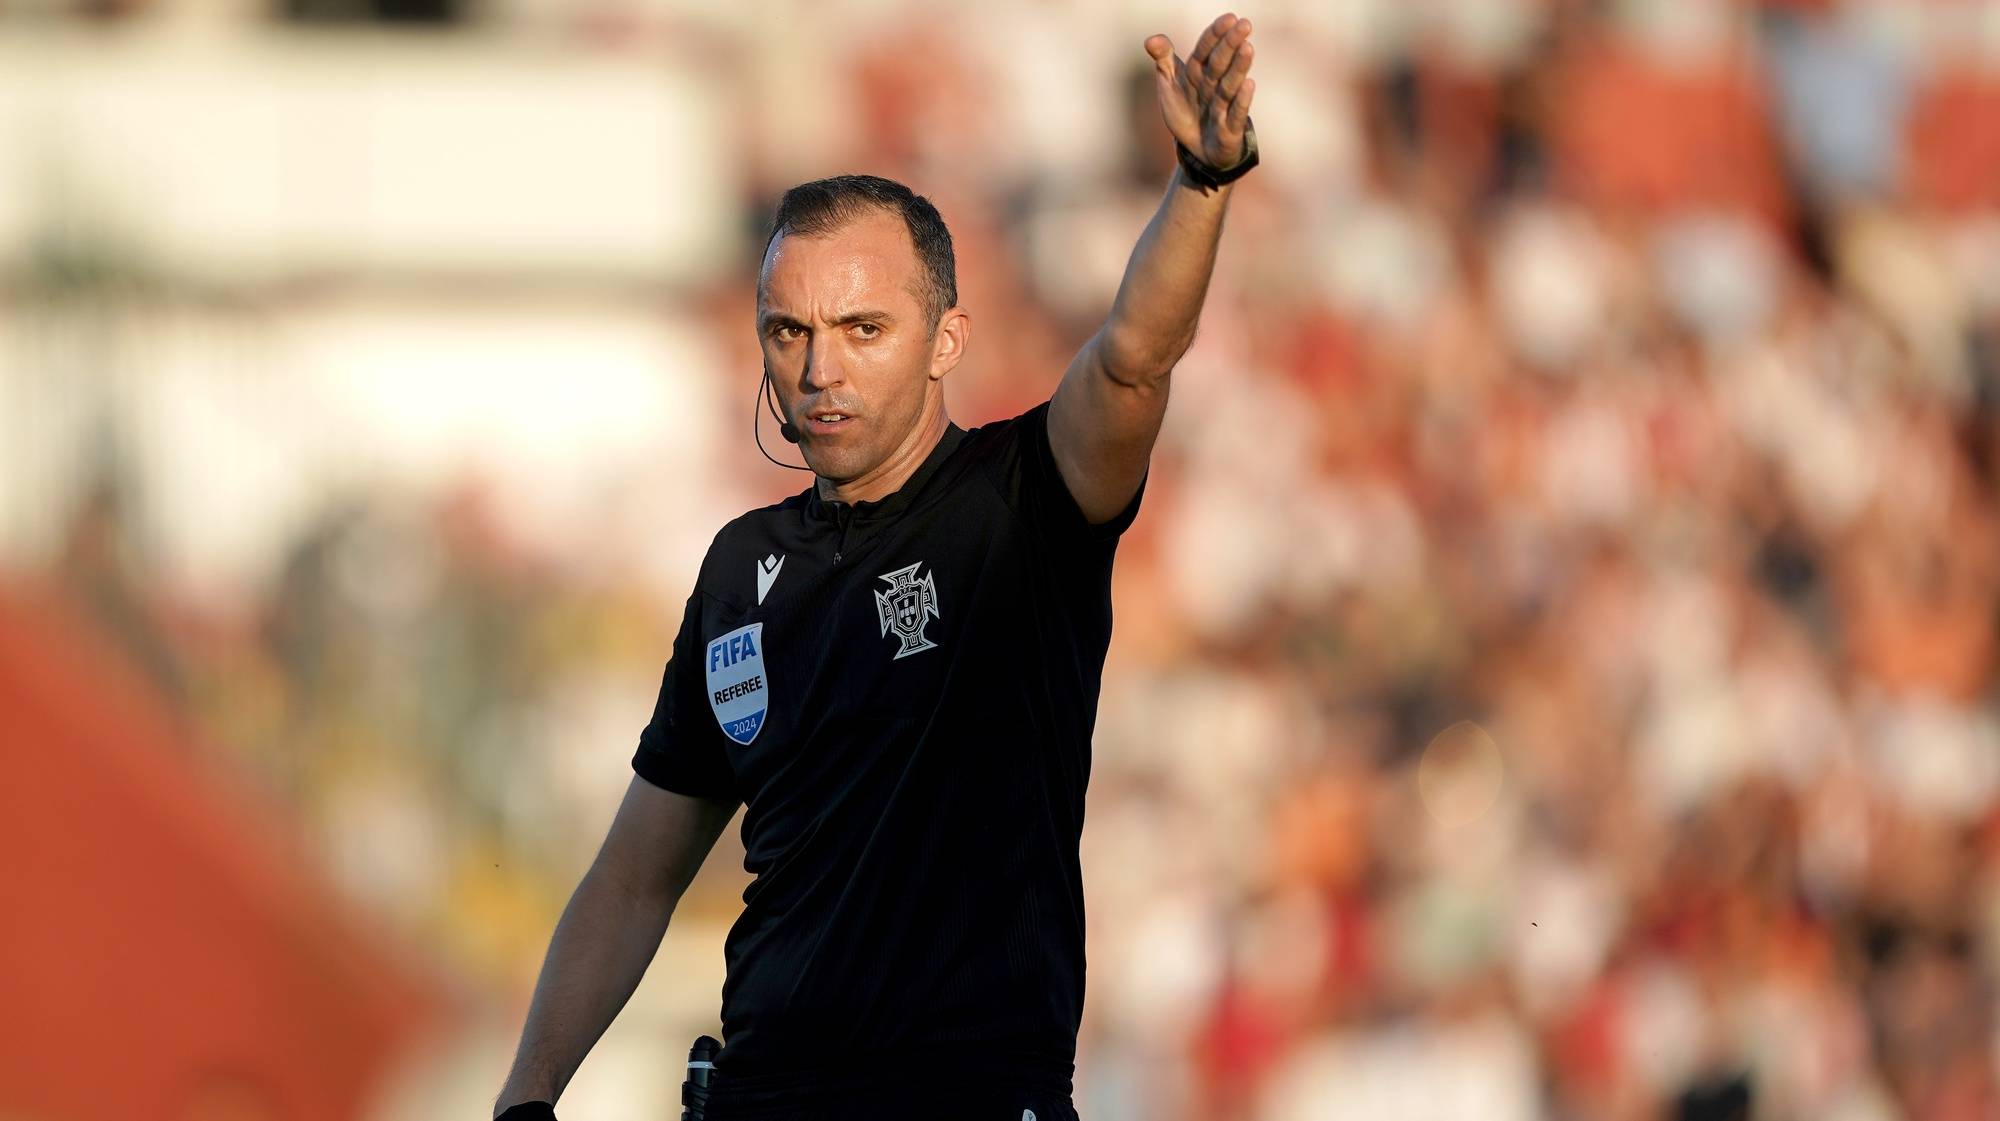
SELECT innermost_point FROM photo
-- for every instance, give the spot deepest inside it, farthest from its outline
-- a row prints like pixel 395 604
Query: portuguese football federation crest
pixel 906 606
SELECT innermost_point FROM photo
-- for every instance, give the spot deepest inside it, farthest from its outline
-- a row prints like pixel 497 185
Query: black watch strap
pixel 1208 178
pixel 529 1111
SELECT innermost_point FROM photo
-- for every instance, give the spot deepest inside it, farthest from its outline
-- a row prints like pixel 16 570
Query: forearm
pixel 1107 411
pixel 1152 321
pixel 601 947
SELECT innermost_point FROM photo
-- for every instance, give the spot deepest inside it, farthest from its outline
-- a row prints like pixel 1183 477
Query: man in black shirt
pixel 897 673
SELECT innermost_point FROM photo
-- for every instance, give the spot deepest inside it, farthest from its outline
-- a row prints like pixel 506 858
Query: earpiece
pixel 786 428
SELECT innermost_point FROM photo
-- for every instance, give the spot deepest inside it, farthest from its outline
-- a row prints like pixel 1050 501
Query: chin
pixel 835 465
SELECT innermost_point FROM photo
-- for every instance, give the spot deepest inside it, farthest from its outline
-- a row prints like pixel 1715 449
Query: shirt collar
pixel 896 501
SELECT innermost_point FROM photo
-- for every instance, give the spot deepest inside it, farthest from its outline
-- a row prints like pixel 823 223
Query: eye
pixel 867 330
pixel 786 332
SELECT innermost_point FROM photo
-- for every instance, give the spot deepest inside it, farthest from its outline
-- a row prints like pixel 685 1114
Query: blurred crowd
pixel 1570 610
pixel 1554 662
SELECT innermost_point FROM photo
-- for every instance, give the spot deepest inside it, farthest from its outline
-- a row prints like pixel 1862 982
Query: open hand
pixel 1206 100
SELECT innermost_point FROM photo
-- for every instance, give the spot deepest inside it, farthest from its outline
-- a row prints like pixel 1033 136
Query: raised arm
pixel 1107 411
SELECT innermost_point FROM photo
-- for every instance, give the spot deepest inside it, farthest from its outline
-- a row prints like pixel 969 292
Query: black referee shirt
pixel 902 692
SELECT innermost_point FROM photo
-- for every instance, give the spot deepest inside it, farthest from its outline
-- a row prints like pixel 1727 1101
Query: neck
pixel 894 471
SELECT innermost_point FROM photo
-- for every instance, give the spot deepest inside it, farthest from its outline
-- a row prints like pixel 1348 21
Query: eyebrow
pixel 779 319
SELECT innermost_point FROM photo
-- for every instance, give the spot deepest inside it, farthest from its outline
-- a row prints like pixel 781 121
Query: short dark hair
pixel 824 205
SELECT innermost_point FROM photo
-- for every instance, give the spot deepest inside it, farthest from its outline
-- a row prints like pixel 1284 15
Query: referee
pixel 897 672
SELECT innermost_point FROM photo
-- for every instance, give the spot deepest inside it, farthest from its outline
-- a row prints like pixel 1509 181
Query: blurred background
pixel 1554 670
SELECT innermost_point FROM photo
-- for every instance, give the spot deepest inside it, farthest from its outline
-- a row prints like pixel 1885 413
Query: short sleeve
pixel 680 749
pixel 1035 486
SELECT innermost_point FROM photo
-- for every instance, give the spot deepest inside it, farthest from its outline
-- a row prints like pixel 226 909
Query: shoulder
pixel 747 539
pixel 1000 449
pixel 997 435
pixel 1022 464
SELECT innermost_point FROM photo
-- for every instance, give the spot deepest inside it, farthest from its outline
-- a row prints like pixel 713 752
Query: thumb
pixel 1162 50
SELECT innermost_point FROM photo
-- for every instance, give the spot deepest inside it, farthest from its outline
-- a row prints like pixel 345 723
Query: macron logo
pixel 767 575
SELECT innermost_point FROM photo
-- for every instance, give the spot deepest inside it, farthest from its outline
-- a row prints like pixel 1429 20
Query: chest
pixel 811 662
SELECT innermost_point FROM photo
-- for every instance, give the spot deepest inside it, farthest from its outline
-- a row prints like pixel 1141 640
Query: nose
pixel 823 362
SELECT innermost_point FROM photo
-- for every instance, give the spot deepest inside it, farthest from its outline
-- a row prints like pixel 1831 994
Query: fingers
pixel 1217 63
pixel 1214 78
pixel 1210 35
pixel 1232 79
pixel 1239 107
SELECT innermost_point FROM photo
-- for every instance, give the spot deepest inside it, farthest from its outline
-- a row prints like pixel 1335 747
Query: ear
pixel 948 345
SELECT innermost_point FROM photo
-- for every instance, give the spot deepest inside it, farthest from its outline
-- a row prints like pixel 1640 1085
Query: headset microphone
pixel 786 428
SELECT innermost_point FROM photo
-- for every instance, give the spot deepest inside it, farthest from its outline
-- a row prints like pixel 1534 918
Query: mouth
pixel 827 421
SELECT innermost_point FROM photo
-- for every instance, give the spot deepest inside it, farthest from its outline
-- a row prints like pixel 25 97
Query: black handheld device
pixel 701 1071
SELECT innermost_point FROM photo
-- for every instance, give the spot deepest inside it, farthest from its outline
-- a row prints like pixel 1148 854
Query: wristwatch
pixel 1206 177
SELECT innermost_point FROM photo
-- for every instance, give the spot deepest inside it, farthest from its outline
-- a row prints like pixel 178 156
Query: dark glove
pixel 529 1111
